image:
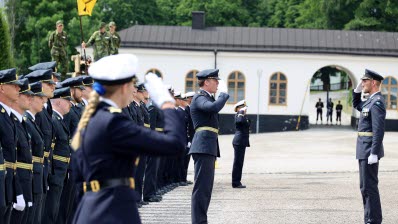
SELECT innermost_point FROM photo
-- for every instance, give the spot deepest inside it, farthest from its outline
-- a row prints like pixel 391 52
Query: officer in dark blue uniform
pixel 88 87
pixel 44 121
pixel 71 119
pixel 9 86
pixel 61 154
pixel 152 165
pixel 23 177
pixel 37 144
pixel 205 149
pixel 240 142
pixel 109 154
pixel 190 133
pixel 180 159
pixel 370 142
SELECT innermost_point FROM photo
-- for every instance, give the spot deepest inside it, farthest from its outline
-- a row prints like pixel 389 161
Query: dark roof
pixel 251 39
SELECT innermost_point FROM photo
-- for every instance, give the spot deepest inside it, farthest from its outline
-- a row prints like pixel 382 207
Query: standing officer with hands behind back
pixel 204 148
pixel 370 142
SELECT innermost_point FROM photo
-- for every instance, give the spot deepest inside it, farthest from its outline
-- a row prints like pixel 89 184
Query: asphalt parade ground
pixel 291 177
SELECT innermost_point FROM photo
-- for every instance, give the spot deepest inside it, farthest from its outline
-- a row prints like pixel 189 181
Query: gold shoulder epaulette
pixel 114 110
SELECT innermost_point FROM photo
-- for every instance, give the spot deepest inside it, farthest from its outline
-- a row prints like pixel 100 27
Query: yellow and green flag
pixel 85 7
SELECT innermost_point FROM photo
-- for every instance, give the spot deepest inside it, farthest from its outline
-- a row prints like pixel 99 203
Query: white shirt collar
pixel 45 105
pixel 373 94
pixel 31 114
pixel 207 92
pixel 18 115
pixel 7 108
pixel 181 107
pixel 73 104
pixel 62 117
pixel 85 101
pixel 109 101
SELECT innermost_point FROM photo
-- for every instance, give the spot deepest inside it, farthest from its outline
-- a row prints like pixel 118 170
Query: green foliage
pixel 6 60
pixel 31 21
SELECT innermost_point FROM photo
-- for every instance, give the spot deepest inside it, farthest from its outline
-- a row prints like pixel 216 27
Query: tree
pixel 6 60
pixel 375 15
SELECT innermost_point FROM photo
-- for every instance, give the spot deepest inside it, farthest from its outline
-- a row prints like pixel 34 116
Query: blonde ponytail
pixel 88 112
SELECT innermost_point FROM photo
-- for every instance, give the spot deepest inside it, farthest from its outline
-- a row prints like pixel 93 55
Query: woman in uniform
pixel 109 143
pixel 240 142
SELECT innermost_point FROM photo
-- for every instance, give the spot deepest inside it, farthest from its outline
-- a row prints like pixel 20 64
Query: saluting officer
pixel 370 142
pixel 9 92
pixel 101 42
pixel 61 153
pixel 240 142
pixel 44 121
pixel 109 154
pixel 37 144
pixel 205 149
pixel 23 181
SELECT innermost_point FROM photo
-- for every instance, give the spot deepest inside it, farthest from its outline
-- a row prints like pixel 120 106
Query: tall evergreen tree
pixel 6 60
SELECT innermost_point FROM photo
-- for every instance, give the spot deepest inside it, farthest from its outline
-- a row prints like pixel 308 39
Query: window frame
pixel 236 88
pixel 155 71
pixel 194 80
pixel 278 82
pixel 389 86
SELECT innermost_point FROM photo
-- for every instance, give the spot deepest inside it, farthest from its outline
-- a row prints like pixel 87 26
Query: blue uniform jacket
pixel 37 144
pixel 372 119
pixel 23 182
pixel 110 145
pixel 45 123
pixel 61 148
pixel 204 113
pixel 8 138
pixel 242 124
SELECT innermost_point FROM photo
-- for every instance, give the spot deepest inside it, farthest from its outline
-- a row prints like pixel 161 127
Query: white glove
pixel 189 145
pixel 30 204
pixel 222 86
pixel 359 88
pixel 20 205
pixel 157 90
pixel 373 159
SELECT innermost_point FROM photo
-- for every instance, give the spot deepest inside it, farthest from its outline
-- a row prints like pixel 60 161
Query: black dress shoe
pixel 144 203
pixel 189 182
pixel 183 183
pixel 153 199
pixel 239 186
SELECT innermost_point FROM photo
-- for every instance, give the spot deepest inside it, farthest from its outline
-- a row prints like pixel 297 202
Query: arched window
pixel 389 90
pixel 277 89
pixel 155 71
pixel 191 82
pixel 236 87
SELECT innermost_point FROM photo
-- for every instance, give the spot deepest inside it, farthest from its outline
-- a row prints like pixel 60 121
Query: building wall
pixel 298 68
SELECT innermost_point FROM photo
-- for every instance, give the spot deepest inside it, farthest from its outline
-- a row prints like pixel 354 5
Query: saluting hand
pixel 222 87
pixel 157 90
pixel 358 89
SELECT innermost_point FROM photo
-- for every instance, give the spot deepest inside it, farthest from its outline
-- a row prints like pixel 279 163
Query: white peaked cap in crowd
pixel 177 94
pixel 189 94
pixel 114 69
pixel 240 103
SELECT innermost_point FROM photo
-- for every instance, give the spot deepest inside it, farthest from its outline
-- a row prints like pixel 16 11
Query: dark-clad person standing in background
pixel 319 106
pixel 370 142
pixel 339 108
pixel 240 142
pixel 110 142
pixel 205 148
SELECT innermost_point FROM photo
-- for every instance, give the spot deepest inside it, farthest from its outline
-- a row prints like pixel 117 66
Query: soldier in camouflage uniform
pixel 57 43
pixel 101 42
pixel 115 38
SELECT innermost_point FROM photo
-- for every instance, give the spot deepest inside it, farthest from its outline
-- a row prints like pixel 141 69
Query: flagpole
pixel 84 50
